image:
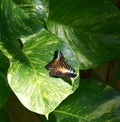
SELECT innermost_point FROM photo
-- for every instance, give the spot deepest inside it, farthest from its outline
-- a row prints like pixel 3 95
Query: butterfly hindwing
pixel 59 68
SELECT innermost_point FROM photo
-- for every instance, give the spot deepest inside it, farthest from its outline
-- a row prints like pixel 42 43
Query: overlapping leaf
pixel 22 18
pixel 31 81
pixel 90 27
pixel 93 103
pixel 4 116
pixel 4 89
pixel 88 34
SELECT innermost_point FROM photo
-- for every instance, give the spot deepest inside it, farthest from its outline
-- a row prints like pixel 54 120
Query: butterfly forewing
pixel 51 65
pixel 59 68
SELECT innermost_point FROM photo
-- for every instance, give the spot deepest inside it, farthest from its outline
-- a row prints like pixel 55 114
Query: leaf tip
pixel 47 116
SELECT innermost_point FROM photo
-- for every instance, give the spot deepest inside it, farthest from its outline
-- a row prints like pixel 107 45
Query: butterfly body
pixel 59 68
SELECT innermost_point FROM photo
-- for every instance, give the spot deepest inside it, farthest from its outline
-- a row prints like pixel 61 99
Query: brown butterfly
pixel 59 68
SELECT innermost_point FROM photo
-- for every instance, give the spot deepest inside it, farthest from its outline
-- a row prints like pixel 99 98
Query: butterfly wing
pixel 55 73
pixel 62 72
pixel 51 65
pixel 59 68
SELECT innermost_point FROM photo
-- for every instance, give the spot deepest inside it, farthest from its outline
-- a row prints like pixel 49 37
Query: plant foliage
pixel 87 33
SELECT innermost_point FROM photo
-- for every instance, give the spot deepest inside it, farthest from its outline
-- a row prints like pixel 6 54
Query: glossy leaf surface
pixel 31 81
pixel 92 102
pixel 22 18
pixel 90 27
pixel 87 33
pixel 4 88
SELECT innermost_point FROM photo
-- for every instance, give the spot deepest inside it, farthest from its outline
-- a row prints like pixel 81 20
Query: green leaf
pixel 25 16
pixel 29 79
pixel 92 102
pixel 91 49
pixel 89 16
pixel 4 88
pixel 4 116
pixel 87 33
pixel 91 27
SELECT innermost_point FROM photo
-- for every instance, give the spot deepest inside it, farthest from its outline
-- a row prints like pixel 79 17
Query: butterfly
pixel 58 66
